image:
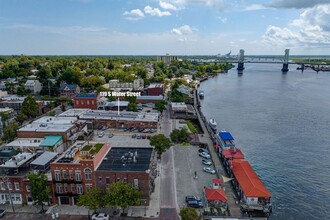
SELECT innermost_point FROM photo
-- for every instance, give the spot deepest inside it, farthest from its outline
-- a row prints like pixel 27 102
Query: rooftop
pixel 248 179
pixel 51 141
pixel 233 154
pixel 51 124
pixel 44 159
pixel 126 159
pixel 155 85
pixel 18 160
pixel 89 95
pixel 226 136
pixel 150 97
pixel 88 114
pixel 215 195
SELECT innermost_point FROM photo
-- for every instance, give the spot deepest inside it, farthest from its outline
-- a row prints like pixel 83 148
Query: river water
pixel 282 124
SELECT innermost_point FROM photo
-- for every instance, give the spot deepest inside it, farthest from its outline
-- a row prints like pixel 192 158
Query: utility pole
pixel 5 181
pixel 48 89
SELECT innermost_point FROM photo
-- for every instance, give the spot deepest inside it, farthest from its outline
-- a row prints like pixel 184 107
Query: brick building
pixel 73 172
pixel 155 89
pixel 69 90
pixel 149 99
pixel 86 101
pixel 131 165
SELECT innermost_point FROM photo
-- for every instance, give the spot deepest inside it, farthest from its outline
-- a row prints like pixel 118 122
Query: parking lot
pixel 122 139
pixel 186 162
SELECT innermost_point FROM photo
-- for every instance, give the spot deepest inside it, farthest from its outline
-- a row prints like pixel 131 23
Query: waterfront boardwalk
pixel 233 207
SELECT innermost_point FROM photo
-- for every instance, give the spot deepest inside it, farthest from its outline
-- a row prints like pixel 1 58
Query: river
pixel 282 124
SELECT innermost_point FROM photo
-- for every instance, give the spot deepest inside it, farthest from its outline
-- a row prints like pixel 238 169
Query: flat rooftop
pixel 155 85
pixel 126 159
pixel 25 142
pixel 18 160
pixel 51 124
pixel 88 114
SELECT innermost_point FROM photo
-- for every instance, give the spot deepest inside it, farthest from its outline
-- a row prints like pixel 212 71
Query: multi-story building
pixel 48 143
pixel 73 172
pixel 70 128
pixel 32 84
pixel 137 85
pixel 131 165
pixel 95 118
pixel 86 101
pixel 155 89
pixel 69 90
pixel 149 99
pixel 167 58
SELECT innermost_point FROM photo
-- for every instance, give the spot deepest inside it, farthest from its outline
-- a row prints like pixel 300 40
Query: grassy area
pixel 191 127
pixel 87 148
pixel 97 149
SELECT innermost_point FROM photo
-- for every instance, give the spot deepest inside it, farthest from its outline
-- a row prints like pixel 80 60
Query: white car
pixel 209 170
pixel 207 162
pixel 100 216
pixel 205 155
pixel 101 134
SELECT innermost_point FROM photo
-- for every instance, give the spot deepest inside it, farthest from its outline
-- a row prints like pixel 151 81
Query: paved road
pixel 168 204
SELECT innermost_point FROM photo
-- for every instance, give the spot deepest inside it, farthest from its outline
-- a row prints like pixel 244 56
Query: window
pixel 78 176
pixel 71 174
pixel 79 189
pixel 107 180
pixel 3 186
pixel 73 188
pixel 87 102
pixel 64 174
pixel 88 174
pixel 59 188
pixel 27 188
pixel 17 186
pixel 10 186
pixel 88 187
pixel 82 102
pixel 77 102
pixel 92 102
pixel 57 175
pixel 65 188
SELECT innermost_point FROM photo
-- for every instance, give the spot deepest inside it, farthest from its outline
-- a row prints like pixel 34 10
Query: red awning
pixel 215 195
pixel 218 181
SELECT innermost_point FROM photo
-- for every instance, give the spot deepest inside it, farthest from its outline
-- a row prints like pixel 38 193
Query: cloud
pixel 155 11
pixel 183 30
pixel 311 29
pixel 254 7
pixel 167 6
pixel 222 19
pixel 218 4
pixel 296 3
pixel 135 14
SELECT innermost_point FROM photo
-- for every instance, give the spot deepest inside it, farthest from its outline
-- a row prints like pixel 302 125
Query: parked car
pixel 148 136
pixel 99 127
pixel 138 136
pixel 101 134
pixel 203 145
pixel 143 136
pixel 126 129
pixel 141 129
pixel 110 135
pixel 152 130
pixel 104 128
pixel 203 150
pixel 182 121
pixel 204 155
pixel 192 198
pixel 195 204
pixel 133 135
pixel 208 170
pixel 206 162
pixel 100 216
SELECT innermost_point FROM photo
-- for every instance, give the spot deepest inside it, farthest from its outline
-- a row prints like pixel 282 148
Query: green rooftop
pixel 50 141
pixel 97 148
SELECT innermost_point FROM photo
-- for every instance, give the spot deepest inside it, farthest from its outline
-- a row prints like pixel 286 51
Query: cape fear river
pixel 282 124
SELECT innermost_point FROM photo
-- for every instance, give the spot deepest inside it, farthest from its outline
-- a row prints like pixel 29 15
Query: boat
pixel 201 94
pixel 213 124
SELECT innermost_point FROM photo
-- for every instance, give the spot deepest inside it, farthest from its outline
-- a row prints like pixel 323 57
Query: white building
pixel 137 84
pixel 33 85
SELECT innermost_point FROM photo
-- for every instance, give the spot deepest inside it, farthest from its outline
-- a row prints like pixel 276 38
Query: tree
pixel 30 107
pixel 94 199
pixel 21 117
pixel 9 132
pixel 161 143
pixel 21 90
pixel 39 188
pixel 160 106
pixel 188 213
pixel 52 113
pixel 123 195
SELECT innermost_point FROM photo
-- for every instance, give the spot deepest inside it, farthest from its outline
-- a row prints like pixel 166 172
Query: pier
pixel 233 207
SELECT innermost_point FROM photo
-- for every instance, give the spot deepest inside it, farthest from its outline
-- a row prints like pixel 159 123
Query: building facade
pixel 69 90
pixel 86 101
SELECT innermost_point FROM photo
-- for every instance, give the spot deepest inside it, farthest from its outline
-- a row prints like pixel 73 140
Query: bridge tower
pixel 286 61
pixel 240 65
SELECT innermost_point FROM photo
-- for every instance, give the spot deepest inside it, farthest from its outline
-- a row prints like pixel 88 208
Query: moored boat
pixel 201 94
pixel 213 124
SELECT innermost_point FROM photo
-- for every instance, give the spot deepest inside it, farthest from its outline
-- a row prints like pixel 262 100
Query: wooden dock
pixel 234 209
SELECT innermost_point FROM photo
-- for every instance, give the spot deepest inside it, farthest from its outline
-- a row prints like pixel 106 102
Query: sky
pixel 158 27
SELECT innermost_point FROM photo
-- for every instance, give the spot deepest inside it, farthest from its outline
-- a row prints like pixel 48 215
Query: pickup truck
pixel 2 212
